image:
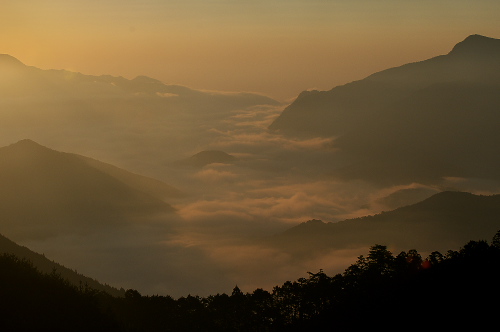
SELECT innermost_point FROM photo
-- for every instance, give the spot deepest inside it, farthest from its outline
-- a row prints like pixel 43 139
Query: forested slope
pixel 379 290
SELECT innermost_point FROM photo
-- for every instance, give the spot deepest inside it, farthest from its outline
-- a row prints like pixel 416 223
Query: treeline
pixel 380 289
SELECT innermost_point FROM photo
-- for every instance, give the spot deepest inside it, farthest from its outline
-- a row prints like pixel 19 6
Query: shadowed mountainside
pixel 417 122
pixel 438 223
pixel 45 192
pixel 145 184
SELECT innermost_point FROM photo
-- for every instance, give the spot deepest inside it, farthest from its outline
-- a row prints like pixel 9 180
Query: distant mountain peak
pixel 207 157
pixel 477 45
pixel 8 60
pixel 146 79
pixel 211 156
pixel 27 142
pixel 216 153
pixel 27 145
pixel 479 38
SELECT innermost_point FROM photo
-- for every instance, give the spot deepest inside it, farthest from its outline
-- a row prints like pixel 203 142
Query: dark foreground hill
pixel 417 122
pixel 443 221
pixel 34 301
pixel 381 290
pixel 44 192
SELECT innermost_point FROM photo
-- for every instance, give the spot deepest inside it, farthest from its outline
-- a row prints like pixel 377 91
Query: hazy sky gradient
pixel 276 47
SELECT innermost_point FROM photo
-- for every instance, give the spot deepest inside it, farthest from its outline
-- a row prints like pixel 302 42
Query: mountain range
pixel 26 82
pixel 117 118
pixel 418 122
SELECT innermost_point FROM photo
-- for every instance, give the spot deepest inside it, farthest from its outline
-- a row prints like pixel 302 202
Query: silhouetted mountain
pixel 438 223
pixel 417 122
pixel 204 158
pixel 45 192
pixel 329 112
pixel 45 265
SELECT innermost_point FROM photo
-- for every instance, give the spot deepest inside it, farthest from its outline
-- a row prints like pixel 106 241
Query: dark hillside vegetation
pixel 379 290
pixel 32 301
pixel 45 265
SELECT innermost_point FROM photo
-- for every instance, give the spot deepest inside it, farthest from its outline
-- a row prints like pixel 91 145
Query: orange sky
pixel 275 47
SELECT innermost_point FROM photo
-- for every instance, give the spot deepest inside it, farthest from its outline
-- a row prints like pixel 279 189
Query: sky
pixel 274 47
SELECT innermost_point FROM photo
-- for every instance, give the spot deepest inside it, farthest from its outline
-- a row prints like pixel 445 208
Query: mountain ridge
pixel 437 223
